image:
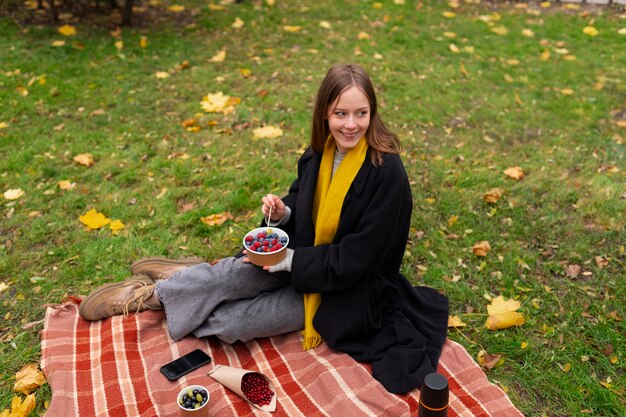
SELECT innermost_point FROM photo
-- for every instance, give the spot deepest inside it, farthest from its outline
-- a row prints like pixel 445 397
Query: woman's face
pixel 349 118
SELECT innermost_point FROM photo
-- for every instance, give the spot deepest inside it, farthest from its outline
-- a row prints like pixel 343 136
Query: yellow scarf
pixel 329 195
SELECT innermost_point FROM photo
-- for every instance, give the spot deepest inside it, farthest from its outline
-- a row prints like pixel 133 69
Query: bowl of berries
pixel 192 401
pixel 266 246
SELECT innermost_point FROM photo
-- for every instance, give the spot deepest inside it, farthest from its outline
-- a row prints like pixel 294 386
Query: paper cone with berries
pixel 252 386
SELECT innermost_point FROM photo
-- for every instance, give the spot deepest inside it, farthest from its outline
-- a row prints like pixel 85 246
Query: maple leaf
pixel 85 159
pixel 67 30
pixel 455 322
pixel 13 194
pixel 516 173
pixel 481 248
pixel 492 196
pixel 116 226
pixel 216 219
pixel 269 132
pixel 28 379
pixel 503 314
pixel 94 220
pixel 219 103
pixel 20 408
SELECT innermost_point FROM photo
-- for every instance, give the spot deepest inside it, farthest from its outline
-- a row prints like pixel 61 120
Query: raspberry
pixel 256 388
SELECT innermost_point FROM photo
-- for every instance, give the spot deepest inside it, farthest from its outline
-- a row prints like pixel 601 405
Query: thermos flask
pixel 434 396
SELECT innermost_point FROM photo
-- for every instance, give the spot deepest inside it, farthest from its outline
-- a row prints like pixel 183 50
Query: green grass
pixel 463 118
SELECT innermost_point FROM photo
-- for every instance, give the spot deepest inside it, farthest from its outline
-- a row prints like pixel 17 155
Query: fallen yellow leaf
pixel 58 44
pixel 622 31
pixel 492 196
pixel 67 30
pixel 143 42
pixel 176 8
pixel 220 56
pixel 219 103
pixel 216 219
pixel 238 23
pixel 289 28
pixel 119 45
pixel 325 25
pixel 21 408
pixel 448 15
pixel 567 91
pixel 545 55
pixel 28 379
pixel 481 248
pixel 116 226
pixel 591 31
pixel 216 7
pixel 516 173
pixel 528 33
pixel 500 30
pixel 455 321
pixel 524 345
pixel 66 185
pixel 453 48
pixel 362 36
pixel 85 159
pixel 162 74
pixel 94 220
pixel 503 314
pixel 13 194
pixel 269 132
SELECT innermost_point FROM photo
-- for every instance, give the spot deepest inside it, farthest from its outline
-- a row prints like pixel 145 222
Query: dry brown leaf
pixel 492 196
pixel 455 321
pixel 573 271
pixel 487 360
pixel 517 173
pixel 481 248
pixel 601 261
pixel 28 379
pixel 503 314
pixel 85 159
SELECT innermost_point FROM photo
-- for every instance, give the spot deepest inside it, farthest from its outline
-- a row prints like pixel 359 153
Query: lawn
pixel 512 118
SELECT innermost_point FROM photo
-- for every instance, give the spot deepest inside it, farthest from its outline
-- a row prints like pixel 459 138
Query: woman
pixel 348 215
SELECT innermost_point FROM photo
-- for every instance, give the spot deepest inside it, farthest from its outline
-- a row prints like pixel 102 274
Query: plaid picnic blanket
pixel 111 368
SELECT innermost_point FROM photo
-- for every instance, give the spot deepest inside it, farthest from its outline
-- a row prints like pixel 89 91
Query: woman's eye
pixel 363 113
pixel 339 113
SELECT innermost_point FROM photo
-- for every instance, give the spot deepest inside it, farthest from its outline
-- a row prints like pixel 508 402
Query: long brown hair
pixel 337 80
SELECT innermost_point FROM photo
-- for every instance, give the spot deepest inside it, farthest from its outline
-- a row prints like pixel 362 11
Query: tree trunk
pixel 127 13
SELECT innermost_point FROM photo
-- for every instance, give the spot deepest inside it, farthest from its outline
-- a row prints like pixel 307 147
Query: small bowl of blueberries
pixel 266 246
pixel 193 400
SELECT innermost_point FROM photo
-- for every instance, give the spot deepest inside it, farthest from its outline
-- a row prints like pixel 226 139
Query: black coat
pixel 368 309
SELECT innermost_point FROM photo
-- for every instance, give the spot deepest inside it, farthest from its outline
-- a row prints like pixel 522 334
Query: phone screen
pixel 185 364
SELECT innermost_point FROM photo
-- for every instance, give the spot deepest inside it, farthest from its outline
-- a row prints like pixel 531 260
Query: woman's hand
pixel 277 206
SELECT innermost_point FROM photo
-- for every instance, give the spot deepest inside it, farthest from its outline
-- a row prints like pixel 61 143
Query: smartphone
pixel 185 364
